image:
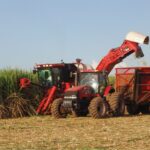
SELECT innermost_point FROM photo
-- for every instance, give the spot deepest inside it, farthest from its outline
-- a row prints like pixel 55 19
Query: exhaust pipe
pixel 137 38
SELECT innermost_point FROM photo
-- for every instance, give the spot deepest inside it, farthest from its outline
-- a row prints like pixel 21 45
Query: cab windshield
pixel 90 79
pixel 45 77
pixel 49 77
pixel 93 79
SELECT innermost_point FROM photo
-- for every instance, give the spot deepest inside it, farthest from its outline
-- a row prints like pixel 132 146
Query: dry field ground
pixel 84 133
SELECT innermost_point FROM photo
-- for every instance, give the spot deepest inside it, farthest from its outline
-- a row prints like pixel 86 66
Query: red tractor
pixel 91 94
pixel 54 79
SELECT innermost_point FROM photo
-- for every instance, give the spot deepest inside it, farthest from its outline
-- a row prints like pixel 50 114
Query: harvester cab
pixel 90 96
pixel 59 75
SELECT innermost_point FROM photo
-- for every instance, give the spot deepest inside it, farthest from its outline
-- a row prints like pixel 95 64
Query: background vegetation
pixel 13 102
pixel 9 81
pixel 112 80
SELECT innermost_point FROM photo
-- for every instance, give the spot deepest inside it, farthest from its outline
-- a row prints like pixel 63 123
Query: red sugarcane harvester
pixel 54 79
pixel 91 94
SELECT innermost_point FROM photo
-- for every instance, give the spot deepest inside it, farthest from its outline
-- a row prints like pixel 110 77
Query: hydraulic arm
pixel 116 55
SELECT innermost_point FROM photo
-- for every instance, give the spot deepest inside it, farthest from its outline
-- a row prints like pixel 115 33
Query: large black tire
pixel 57 110
pixel 116 104
pixel 98 108
pixel 145 109
pixel 133 109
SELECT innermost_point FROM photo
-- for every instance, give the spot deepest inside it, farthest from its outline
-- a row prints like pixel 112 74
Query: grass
pixel 85 133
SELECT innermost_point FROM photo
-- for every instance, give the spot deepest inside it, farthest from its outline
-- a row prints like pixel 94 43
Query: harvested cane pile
pixel 13 103
pixel 3 112
pixel 19 107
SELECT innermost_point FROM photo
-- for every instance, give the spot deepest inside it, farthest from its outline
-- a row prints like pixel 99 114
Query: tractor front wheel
pixel 57 109
pixel 98 108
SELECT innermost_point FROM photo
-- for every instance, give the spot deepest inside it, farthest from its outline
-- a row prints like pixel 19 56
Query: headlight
pixel 70 97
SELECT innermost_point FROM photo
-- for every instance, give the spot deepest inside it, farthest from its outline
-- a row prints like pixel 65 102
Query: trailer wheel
pixel 116 104
pixel 133 109
pixel 145 109
pixel 57 109
pixel 98 108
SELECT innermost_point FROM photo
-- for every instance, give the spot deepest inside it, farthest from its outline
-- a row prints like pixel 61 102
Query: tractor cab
pixel 55 74
pixel 95 79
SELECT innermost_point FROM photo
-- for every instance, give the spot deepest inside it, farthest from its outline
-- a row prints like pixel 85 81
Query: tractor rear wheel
pixel 57 109
pixel 116 104
pixel 98 108
pixel 133 109
pixel 145 109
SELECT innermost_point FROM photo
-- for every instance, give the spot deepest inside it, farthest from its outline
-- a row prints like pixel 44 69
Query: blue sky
pixel 46 31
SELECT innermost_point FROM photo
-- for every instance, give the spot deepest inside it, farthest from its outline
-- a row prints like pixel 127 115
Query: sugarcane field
pixel 74 75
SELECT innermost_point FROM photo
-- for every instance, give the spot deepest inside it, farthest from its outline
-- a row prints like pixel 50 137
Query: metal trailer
pixel 134 84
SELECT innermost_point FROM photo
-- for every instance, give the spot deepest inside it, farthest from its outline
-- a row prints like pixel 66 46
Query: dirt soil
pixel 85 133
